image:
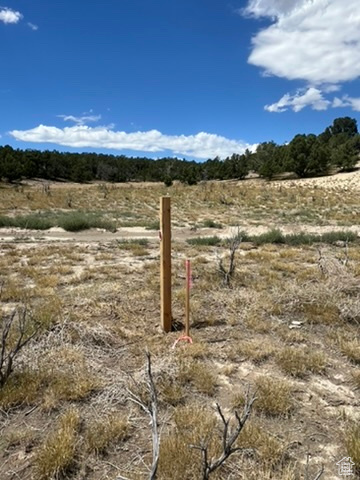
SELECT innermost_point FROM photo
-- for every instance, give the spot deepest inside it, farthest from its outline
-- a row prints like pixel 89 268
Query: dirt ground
pixel 287 328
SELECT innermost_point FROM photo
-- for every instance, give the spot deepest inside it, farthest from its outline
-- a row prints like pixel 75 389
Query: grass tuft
pixel 56 456
pixel 106 431
pixel 298 361
pixel 352 443
pixel 197 374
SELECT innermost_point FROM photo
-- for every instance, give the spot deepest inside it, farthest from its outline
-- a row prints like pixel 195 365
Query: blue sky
pixel 193 79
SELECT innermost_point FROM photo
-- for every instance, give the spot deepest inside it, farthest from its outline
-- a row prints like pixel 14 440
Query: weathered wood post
pixel 165 263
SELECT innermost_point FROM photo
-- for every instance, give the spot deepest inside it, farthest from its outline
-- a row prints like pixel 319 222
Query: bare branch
pixel 152 410
pixel 319 474
pixel 228 438
pixel 234 244
pixel 22 324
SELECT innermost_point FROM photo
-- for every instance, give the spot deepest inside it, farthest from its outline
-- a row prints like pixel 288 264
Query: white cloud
pixel 80 120
pixel 270 8
pixel 9 16
pixel 33 26
pixel 316 41
pixel 202 145
pixel 347 101
pixel 312 97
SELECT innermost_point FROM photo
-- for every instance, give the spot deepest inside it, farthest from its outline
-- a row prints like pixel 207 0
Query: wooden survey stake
pixel 165 263
pixel 187 298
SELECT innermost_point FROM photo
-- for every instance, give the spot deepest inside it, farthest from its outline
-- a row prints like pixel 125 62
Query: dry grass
pixel 193 424
pixel 299 361
pixel 257 350
pixel 61 376
pixel 199 375
pixel 57 455
pixel 98 302
pixel 352 443
pixel 105 431
pixel 268 449
pixel 355 376
pixel 274 396
pixel 350 348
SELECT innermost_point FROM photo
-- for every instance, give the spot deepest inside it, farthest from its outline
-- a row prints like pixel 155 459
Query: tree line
pixel 335 149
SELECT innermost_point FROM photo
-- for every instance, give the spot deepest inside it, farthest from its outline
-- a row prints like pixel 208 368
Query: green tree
pixel 299 154
pixel 345 125
pixel 345 155
pixel 268 160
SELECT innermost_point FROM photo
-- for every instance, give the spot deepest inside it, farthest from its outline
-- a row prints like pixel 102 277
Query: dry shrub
pixel 19 437
pixel 355 375
pixel 56 456
pixel 350 348
pixel 170 391
pixel 312 301
pixel 193 425
pixel 106 431
pixel 291 336
pixel 352 442
pixel 61 375
pixel 269 450
pixel 68 386
pixel 197 374
pixel 274 396
pixel 298 361
pixel 195 350
pixel 22 388
pixel 256 350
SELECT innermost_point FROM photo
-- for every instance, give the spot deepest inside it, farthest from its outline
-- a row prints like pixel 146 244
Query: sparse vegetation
pixel 16 330
pixel 288 326
pixel 208 241
pixel 106 431
pixel 299 361
pixel 57 455
pixel 352 443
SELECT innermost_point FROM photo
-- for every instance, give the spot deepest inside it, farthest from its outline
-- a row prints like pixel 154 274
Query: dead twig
pixel 19 325
pixel 229 438
pixel 234 244
pixel 151 408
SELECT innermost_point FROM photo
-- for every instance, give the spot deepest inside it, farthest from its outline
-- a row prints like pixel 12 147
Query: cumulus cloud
pixel 347 101
pixel 80 120
pixel 202 145
pixel 270 8
pixel 317 41
pixel 9 16
pixel 312 97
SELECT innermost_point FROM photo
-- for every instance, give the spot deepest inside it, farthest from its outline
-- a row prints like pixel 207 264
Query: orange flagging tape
pixel 184 338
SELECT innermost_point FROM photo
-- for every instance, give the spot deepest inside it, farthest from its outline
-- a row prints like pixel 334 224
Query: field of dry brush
pixel 287 328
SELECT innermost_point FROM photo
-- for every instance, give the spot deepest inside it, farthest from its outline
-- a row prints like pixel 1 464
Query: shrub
pixel 273 236
pixel 16 331
pixel 208 223
pixel 208 241
pixel 30 222
pixel 77 221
